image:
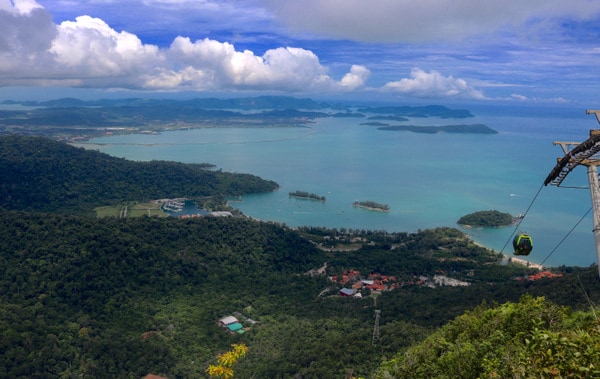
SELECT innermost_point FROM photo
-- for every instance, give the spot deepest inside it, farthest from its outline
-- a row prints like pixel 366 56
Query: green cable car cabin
pixel 523 244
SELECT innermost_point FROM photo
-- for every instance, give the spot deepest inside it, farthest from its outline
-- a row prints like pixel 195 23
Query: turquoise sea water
pixel 428 180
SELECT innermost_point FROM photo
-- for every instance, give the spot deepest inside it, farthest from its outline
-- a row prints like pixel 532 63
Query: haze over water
pixel 428 180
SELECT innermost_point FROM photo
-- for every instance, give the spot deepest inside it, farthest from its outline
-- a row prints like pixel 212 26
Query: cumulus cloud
pixel 26 34
pixel 433 85
pixel 88 52
pixel 356 78
pixel 88 47
pixel 215 65
pixel 417 20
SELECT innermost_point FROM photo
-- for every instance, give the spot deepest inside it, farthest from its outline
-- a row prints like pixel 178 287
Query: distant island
pixel 372 206
pixel 306 195
pixel 488 219
pixel 389 118
pixel 423 112
pixel 462 128
pixel 347 114
pixel 375 123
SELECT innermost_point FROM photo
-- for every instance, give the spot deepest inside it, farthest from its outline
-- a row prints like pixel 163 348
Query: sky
pixel 480 51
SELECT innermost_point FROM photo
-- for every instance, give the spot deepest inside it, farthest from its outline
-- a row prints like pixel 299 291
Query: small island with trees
pixel 372 206
pixel 306 195
pixel 488 219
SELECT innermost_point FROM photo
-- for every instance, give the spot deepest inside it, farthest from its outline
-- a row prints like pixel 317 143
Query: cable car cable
pixel 565 237
pixel 521 220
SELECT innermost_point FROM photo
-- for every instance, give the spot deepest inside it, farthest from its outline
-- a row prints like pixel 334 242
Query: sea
pixel 428 180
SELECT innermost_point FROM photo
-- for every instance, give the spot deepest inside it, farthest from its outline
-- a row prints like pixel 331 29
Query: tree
pixel 223 368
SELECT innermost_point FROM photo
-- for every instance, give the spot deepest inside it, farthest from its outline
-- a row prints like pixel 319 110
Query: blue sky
pixel 513 51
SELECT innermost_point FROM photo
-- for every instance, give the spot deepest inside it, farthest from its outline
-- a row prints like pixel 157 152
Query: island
pixel 388 118
pixel 488 219
pixel 461 128
pixel 306 195
pixel 372 206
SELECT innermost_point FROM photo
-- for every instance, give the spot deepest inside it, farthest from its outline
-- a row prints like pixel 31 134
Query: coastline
pixel 511 258
pixel 307 197
pixel 326 169
pixel 371 208
pixel 523 262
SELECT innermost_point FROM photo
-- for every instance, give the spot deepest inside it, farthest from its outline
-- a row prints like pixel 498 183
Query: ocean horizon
pixel 428 180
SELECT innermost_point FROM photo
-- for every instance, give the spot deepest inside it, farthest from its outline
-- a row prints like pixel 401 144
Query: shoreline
pixel 510 258
pixel 306 197
pixel 371 208
pixel 524 262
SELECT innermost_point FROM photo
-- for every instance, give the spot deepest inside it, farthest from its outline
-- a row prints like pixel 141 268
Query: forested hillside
pixel 39 174
pixel 125 297
pixel 530 339
pixel 77 293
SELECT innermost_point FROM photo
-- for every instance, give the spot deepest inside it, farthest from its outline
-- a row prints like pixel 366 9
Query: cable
pixel 565 237
pixel 522 218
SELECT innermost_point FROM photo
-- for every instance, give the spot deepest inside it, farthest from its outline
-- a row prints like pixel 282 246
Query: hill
pixel 78 294
pixel 40 174
pixel 530 339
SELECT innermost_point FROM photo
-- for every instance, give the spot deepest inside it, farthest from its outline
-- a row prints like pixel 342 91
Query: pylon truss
pixel 581 154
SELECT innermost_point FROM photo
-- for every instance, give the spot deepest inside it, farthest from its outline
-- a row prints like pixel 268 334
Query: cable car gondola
pixel 523 244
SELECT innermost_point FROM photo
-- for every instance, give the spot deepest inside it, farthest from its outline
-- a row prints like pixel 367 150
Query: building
pixel 233 324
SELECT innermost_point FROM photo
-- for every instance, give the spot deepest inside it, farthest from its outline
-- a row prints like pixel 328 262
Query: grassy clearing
pixel 146 209
pixel 108 211
pixel 130 210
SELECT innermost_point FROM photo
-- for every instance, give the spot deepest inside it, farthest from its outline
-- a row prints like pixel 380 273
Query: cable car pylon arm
pixel 582 154
pixel 573 158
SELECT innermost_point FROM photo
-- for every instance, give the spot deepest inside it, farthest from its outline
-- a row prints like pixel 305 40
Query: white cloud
pixel 88 47
pixel 87 52
pixel 418 20
pixel 522 98
pixel 26 34
pixel 433 85
pixel 357 77
pixel 19 6
pixel 214 65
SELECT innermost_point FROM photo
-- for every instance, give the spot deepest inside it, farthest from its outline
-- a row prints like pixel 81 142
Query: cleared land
pixel 131 210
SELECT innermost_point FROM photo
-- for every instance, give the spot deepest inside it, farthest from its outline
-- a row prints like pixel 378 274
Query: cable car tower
pixel 582 154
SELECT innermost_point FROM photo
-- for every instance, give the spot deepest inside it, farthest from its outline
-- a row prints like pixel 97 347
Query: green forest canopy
pixel 530 339
pixel 491 218
pixel 78 294
pixel 40 174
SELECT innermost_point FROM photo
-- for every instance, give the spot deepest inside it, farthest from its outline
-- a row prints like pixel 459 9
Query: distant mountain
pixel 40 174
pixel 241 103
pixel 75 119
